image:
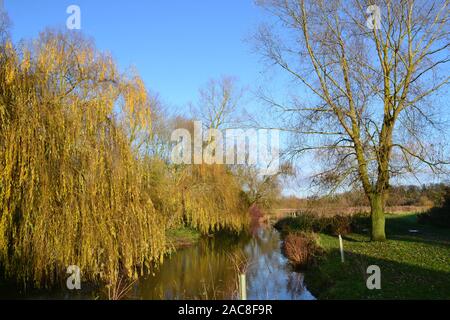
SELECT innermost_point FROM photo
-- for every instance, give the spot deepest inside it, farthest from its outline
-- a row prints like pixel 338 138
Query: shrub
pixel 338 225
pixel 309 222
pixel 301 248
pixel 284 224
pixel 438 216
pixel 360 221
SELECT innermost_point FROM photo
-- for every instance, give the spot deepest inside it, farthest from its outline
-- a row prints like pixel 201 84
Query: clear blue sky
pixel 176 45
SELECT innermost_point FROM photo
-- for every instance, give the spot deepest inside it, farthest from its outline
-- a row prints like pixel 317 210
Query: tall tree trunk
pixel 378 219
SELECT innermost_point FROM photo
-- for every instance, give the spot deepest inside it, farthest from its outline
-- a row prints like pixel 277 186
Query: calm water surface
pixel 206 271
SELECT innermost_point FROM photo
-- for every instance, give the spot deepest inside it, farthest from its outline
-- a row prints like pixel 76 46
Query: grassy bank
pixel 183 237
pixel 413 265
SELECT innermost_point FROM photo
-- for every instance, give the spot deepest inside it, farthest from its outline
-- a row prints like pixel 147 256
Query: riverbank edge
pixel 183 237
pixel 405 257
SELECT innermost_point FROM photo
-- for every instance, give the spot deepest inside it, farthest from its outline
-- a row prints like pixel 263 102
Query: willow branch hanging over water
pixel 76 185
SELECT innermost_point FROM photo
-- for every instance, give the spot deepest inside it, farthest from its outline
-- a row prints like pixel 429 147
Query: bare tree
pixel 4 23
pixel 262 190
pixel 372 109
pixel 219 103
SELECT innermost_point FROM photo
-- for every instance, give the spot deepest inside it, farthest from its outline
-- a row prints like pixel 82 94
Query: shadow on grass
pixel 413 265
pixel 400 227
pixel 350 239
pixel 399 280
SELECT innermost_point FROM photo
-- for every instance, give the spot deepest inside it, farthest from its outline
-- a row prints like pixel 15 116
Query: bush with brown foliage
pixel 301 248
pixel 338 225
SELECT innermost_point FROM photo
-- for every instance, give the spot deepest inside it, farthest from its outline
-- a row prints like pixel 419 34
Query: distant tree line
pixel 431 195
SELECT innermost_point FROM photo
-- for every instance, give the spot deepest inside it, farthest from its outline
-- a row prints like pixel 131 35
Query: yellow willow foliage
pixel 206 197
pixel 73 190
pixel 10 65
pixel 210 197
pixel 163 183
pixel 137 119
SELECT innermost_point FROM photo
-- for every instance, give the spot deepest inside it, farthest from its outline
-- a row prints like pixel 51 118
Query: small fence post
pixel 242 287
pixel 341 246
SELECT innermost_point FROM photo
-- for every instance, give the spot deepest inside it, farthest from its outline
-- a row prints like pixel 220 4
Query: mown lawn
pixel 413 266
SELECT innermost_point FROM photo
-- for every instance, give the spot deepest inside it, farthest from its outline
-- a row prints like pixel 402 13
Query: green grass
pixel 183 237
pixel 413 266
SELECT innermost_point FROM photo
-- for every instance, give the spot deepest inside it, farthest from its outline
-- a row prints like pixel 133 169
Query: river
pixel 205 271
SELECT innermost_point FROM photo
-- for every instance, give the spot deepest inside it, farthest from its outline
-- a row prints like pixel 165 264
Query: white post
pixel 242 287
pixel 341 245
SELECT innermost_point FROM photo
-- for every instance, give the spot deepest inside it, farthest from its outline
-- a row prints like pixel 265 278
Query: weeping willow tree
pixel 207 198
pixel 211 199
pixel 78 182
pixel 72 187
pixel 204 197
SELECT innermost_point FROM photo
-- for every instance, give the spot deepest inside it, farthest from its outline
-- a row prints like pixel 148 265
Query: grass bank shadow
pixel 332 279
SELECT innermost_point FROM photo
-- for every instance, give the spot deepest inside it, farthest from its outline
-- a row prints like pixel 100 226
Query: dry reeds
pixel 120 288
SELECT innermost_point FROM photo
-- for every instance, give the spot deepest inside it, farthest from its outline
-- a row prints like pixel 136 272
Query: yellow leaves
pixel 26 62
pixel 83 189
pixel 9 48
pixel 10 74
pixel 10 67
pixel 72 183
pixel 210 200
pixel 9 58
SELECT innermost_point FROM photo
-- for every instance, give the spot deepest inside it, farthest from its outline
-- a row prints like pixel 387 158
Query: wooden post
pixel 341 246
pixel 242 287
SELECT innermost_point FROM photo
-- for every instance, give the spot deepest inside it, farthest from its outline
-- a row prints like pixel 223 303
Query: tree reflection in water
pixel 206 272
